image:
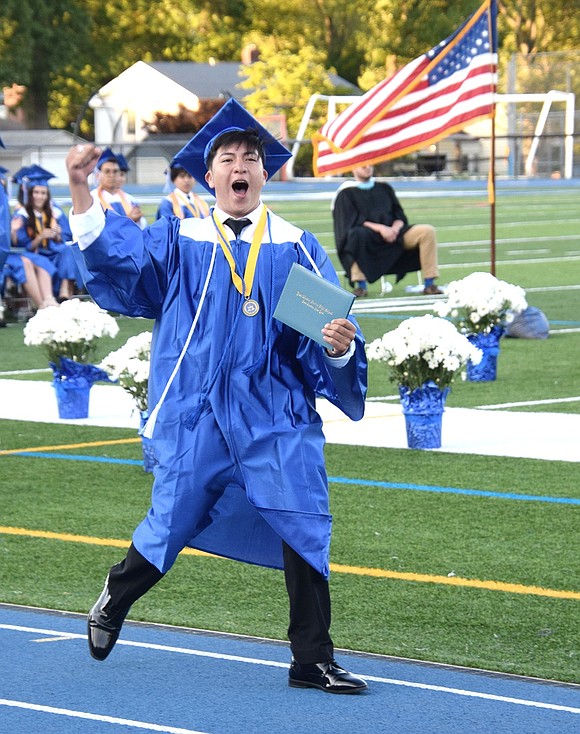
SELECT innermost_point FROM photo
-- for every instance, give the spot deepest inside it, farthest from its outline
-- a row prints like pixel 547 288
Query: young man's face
pixel 238 176
pixel 184 182
pixel 109 176
pixel 363 173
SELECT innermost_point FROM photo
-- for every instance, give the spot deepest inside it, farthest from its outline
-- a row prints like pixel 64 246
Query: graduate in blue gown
pixel 181 202
pixel 41 229
pixel 232 391
pixel 36 282
pixel 4 215
pixel 111 170
pixel 4 232
pixel 4 220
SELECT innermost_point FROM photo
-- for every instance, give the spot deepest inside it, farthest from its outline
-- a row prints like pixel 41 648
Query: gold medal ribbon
pixel 196 206
pixel 243 286
pixel 41 222
pixel 105 204
pixel 125 203
pixel 127 206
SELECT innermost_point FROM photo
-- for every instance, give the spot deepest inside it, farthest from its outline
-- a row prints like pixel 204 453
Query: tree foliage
pixel 533 26
pixel 63 51
pixel 185 121
pixel 284 82
pixel 38 39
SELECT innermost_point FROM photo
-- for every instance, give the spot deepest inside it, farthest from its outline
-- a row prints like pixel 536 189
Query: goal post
pixel 547 99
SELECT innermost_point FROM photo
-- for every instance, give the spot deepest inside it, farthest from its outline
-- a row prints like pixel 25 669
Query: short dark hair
pixel 250 137
pixel 175 172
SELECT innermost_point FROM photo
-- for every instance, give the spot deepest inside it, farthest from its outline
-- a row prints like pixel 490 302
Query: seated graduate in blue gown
pixel 40 229
pixel 4 233
pixel 4 215
pixel 21 271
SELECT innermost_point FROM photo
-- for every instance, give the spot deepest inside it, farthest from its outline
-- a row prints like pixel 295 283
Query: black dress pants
pixel 309 597
pixel 308 592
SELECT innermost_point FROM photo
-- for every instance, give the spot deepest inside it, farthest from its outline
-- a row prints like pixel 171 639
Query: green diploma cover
pixel 309 302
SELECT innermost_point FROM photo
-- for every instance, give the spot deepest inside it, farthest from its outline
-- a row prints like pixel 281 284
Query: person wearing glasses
pixel 109 191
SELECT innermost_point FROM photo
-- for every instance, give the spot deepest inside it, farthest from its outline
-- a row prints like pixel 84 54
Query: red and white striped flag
pixel 436 94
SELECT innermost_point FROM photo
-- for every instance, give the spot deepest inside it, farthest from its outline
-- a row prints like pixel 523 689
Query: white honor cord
pixel 150 425
pixel 309 256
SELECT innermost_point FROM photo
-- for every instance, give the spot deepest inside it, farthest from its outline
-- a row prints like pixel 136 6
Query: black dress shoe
pixel 328 676
pixel 104 625
pixel 432 290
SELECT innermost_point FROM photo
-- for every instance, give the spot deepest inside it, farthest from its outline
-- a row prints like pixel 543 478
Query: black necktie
pixel 237 225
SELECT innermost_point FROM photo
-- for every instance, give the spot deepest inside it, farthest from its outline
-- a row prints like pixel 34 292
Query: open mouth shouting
pixel 240 186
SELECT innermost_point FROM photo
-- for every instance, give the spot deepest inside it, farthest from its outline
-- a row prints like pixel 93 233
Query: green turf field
pixel 482 581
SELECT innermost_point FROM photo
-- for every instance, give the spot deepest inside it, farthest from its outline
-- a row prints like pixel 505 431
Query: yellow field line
pixel 87 539
pixel 71 446
pixel 458 581
pixel 335 567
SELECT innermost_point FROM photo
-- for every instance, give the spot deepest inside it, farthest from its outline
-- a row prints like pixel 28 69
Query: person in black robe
pixel 374 238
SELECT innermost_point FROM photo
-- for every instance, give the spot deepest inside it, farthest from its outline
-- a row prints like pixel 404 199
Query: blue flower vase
pixel 72 385
pixel 72 399
pixel 423 410
pixel 149 460
pixel 486 370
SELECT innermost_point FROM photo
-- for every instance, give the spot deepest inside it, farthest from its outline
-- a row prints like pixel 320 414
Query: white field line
pixel 468 246
pixel 525 261
pixel 277 664
pixel 498 406
pixel 541 289
pixel 25 372
pixel 501 406
pixel 528 252
pixel 505 225
pixel 383 398
pixel 71 713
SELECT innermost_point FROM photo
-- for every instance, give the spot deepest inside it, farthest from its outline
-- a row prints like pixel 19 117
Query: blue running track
pixel 168 679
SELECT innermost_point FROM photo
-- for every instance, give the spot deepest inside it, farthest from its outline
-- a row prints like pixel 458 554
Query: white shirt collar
pixel 182 196
pixel 253 216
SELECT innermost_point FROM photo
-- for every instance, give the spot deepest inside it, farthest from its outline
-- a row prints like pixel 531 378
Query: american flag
pixel 436 94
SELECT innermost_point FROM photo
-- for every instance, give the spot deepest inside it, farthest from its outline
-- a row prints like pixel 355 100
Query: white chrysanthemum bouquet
pixel 70 331
pixel 130 366
pixel 423 349
pixel 480 302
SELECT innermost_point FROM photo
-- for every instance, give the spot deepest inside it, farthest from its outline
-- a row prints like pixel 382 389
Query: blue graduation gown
pixel 238 440
pixel 57 257
pixel 4 225
pixel 166 209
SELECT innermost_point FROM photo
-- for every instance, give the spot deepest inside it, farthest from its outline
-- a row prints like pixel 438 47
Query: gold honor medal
pixel 250 307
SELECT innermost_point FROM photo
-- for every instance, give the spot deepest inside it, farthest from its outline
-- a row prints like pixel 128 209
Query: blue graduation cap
pixel 232 116
pixel 108 155
pixel 20 174
pixel 173 164
pixel 3 172
pixel 33 176
pixel 30 176
pixel 122 161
